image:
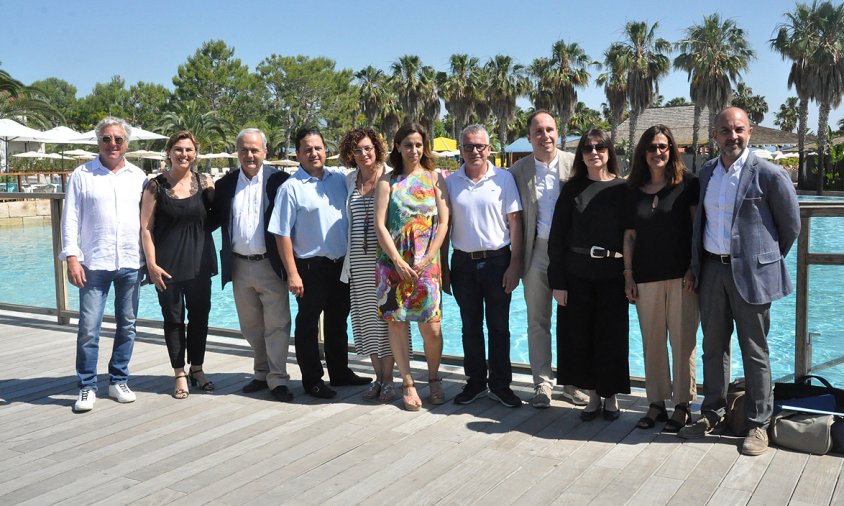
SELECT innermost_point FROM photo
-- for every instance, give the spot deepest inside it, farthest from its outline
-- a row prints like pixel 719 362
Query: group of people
pixel 374 242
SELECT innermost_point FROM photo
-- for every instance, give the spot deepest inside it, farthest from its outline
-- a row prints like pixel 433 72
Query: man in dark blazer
pixel 249 258
pixel 746 223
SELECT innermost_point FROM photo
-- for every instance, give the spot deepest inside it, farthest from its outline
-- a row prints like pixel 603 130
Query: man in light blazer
pixel 249 258
pixel 539 179
pixel 746 223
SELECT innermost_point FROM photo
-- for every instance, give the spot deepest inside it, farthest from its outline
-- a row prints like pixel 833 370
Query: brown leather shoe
pixel 756 442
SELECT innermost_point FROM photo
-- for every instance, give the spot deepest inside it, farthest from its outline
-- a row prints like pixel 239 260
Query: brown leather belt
pixel 484 254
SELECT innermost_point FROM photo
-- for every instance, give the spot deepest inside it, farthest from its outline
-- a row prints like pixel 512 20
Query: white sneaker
pixel 574 396
pixel 121 393
pixel 541 396
pixel 85 401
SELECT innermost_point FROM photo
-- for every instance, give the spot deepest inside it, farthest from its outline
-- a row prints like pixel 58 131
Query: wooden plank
pixel 703 481
pixel 818 480
pixel 780 479
pixel 747 471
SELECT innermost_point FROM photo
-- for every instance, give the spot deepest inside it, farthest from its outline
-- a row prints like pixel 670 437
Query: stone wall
pixel 24 212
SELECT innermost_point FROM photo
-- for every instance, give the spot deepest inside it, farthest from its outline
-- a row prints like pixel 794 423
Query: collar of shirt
pixel 258 179
pixel 305 176
pixel 737 165
pixel 491 170
pixel 543 168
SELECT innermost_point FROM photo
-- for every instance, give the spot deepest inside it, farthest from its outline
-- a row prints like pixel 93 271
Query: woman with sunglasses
pixel 661 206
pixel 585 274
pixel 411 220
pixel 365 150
pixel 181 258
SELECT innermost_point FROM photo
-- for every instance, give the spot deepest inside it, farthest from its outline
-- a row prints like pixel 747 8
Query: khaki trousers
pixel 538 297
pixel 263 310
pixel 665 309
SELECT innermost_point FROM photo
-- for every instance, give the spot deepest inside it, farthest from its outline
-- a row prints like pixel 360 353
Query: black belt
pixel 315 261
pixel 724 259
pixel 597 252
pixel 484 254
pixel 251 257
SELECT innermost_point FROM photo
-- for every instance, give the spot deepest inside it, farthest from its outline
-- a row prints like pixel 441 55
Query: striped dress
pixel 369 330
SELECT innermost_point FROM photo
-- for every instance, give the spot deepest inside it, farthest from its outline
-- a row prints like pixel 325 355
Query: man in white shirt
pixel 484 208
pixel 539 179
pixel 249 259
pixel 101 243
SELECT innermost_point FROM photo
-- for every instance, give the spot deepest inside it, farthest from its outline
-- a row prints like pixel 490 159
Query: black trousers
pixel 195 296
pixel 324 293
pixel 592 337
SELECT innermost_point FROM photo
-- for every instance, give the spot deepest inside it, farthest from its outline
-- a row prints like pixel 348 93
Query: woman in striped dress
pixel 365 150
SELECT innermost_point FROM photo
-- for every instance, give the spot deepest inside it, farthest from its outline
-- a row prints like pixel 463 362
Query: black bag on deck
pixel 810 396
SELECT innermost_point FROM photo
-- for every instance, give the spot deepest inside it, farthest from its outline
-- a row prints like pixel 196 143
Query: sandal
pixel 646 422
pixel 411 402
pixel 373 391
pixel 181 393
pixel 436 395
pixel 674 425
pixel 208 386
pixel 388 392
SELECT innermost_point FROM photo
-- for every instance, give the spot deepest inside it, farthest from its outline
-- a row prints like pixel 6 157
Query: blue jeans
pixel 478 283
pixel 92 301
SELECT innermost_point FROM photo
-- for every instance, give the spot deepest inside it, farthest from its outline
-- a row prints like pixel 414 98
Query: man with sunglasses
pixel 101 244
pixel 746 223
pixel 539 179
pixel 485 223
pixel 249 259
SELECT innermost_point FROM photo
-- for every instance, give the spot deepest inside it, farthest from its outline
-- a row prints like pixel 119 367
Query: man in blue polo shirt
pixel 309 221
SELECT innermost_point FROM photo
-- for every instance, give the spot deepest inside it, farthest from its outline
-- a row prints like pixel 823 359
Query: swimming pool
pixel 26 277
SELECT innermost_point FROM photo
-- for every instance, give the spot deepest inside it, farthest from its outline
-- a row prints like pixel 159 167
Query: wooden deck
pixel 233 448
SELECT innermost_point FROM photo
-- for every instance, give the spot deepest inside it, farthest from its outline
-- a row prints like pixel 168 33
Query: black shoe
pixel 470 393
pixel 506 397
pixel 282 393
pixel 610 415
pixel 321 391
pixel 647 422
pixel 588 416
pixel 350 379
pixel 254 386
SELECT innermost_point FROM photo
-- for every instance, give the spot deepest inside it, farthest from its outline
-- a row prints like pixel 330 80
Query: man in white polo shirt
pixel 485 224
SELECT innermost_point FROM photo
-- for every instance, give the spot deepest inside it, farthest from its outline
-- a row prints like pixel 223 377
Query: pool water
pixel 26 277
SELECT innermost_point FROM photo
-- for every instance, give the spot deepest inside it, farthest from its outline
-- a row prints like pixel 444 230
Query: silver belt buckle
pixel 598 252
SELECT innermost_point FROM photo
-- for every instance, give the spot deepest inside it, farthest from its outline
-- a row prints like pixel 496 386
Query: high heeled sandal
pixel 436 395
pixel 208 386
pixel 181 393
pixel 415 402
pixel 647 422
pixel 673 425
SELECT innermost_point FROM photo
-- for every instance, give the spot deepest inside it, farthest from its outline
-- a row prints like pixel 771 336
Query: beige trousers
pixel 263 310
pixel 538 297
pixel 666 310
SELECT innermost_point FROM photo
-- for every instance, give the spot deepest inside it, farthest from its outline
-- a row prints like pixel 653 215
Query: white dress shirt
pixel 101 223
pixel 248 206
pixel 548 186
pixel 719 205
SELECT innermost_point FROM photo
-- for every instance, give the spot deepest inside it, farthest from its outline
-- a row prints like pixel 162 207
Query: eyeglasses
pixel 653 148
pixel 474 147
pixel 365 149
pixel 106 139
pixel 600 148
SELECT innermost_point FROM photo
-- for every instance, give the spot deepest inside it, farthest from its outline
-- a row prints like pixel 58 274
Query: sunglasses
pixel 106 139
pixel 653 148
pixel 600 148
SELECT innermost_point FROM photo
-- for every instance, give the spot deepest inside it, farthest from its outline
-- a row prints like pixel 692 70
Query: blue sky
pixel 88 42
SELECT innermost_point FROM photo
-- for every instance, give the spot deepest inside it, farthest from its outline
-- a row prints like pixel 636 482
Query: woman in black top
pixel 662 199
pixel 180 257
pixel 584 250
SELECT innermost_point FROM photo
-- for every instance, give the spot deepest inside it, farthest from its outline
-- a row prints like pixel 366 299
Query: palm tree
pixel 390 115
pixel 429 89
pixel 786 117
pixel 506 82
pixel 372 83
pixel 614 81
pixel 406 72
pixel 26 103
pixel 568 72
pixel 754 105
pixel 540 93
pixel 584 119
pixel 460 89
pixel 796 40
pixel 713 54
pixel 209 127
pixel 643 62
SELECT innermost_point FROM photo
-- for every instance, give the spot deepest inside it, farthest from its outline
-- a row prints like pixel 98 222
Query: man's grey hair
pixel 249 131
pixel 112 121
pixel 473 129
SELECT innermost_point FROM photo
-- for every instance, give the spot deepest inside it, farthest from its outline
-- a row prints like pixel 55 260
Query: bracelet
pixel 628 270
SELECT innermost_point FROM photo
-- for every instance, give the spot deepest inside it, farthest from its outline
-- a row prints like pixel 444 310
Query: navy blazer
pixel 766 222
pixel 221 217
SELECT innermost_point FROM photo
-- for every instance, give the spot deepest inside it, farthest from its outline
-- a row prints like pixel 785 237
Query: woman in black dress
pixel 585 274
pixel 661 205
pixel 180 257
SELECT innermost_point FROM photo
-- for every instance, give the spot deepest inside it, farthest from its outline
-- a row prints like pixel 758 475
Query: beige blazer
pixel 524 171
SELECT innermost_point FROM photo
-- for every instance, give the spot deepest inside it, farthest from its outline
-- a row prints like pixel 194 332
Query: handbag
pixel 811 396
pixel 804 432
